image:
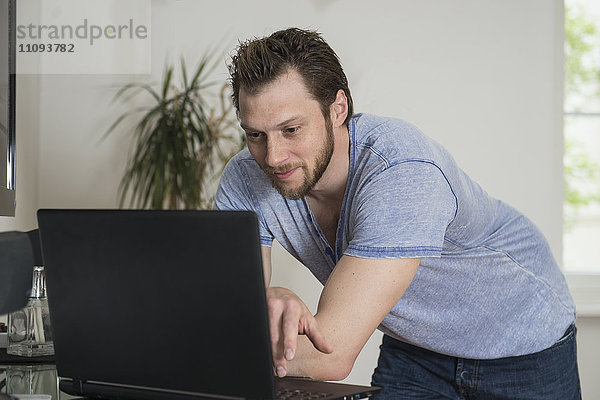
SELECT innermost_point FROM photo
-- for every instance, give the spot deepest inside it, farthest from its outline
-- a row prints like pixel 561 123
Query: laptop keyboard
pixel 285 394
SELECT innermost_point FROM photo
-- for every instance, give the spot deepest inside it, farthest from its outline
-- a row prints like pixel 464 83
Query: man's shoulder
pixel 241 164
pixel 370 124
pixel 243 185
pixel 392 139
pixel 241 156
pixel 242 170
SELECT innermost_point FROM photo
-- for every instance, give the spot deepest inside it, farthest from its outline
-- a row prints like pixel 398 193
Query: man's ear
pixel 339 109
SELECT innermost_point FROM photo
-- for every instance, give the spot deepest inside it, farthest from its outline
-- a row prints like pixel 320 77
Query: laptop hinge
pixel 121 391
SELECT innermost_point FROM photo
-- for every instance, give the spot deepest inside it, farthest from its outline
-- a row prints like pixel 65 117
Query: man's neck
pixel 330 189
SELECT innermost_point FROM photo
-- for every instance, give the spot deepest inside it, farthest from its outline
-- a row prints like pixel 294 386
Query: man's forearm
pixel 310 362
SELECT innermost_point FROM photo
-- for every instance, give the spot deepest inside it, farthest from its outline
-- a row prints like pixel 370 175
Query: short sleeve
pixel 235 193
pixel 402 212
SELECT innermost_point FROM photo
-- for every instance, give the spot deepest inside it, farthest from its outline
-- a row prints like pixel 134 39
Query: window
pixel 581 236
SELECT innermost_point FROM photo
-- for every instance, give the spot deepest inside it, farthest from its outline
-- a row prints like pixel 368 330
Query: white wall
pixel 480 76
pixel 476 75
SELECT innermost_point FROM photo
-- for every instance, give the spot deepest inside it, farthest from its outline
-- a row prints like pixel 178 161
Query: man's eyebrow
pixel 288 121
pixel 246 127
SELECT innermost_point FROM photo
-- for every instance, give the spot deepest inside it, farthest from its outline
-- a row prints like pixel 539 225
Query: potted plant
pixel 181 143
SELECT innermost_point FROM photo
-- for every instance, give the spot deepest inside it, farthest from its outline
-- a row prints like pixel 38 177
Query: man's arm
pixel 266 261
pixel 357 296
pixel 278 297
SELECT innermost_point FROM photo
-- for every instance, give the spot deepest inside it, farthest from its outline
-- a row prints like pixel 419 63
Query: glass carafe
pixel 29 331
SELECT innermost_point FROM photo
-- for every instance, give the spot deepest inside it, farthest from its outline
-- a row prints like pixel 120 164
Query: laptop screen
pixel 162 299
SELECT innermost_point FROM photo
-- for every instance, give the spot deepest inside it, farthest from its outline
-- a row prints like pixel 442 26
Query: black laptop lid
pixel 159 299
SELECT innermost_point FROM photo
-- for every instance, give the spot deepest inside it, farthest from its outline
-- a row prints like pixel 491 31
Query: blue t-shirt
pixel 487 285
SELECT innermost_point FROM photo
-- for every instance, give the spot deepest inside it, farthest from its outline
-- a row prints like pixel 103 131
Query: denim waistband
pixel 571 331
pixel 391 341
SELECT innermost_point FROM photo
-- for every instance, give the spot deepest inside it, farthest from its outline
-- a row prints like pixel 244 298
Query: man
pixel 464 287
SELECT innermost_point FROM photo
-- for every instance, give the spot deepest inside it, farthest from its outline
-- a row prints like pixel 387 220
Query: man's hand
pixel 289 317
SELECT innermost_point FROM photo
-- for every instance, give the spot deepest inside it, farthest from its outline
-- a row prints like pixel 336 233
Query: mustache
pixel 280 169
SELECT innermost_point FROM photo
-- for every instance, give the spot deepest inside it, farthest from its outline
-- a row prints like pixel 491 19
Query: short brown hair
pixel 260 61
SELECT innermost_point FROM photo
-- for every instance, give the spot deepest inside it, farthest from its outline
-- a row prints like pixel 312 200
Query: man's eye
pixel 292 129
pixel 253 135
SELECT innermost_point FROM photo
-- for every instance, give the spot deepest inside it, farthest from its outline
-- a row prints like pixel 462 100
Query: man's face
pixel 287 134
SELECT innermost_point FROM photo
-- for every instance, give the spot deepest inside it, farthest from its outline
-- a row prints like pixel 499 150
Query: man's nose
pixel 277 152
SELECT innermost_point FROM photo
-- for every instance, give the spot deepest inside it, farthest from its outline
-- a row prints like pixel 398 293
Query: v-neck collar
pixel 338 253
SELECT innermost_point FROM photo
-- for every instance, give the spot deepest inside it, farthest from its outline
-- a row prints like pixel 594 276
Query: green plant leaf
pixel 179 141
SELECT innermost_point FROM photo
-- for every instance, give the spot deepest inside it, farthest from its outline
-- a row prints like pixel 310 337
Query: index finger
pixel 290 326
pixel 275 318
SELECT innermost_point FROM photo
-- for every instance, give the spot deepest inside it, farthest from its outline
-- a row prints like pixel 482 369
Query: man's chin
pixel 291 193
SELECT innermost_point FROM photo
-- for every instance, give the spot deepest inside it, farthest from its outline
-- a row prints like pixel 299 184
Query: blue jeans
pixel 409 372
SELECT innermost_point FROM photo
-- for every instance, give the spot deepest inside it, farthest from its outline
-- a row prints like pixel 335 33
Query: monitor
pixel 7 106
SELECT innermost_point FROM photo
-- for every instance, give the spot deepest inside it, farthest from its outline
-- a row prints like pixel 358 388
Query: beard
pixel 311 177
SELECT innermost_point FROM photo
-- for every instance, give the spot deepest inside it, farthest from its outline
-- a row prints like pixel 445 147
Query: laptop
pixel 163 305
